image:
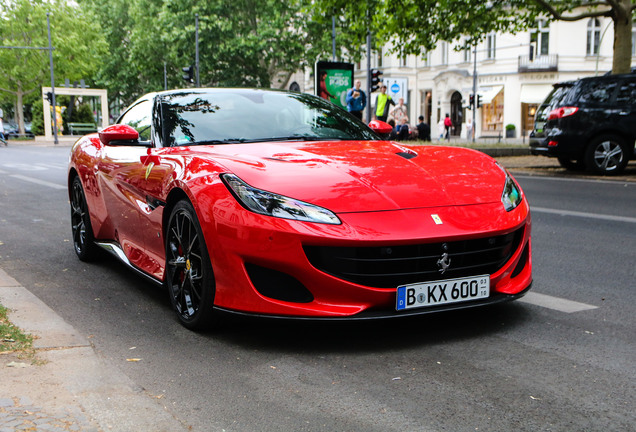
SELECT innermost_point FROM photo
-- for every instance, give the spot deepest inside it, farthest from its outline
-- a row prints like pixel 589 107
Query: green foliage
pixel 417 26
pixel 241 42
pixel 37 121
pixel 83 114
pixel 76 38
pixel 12 339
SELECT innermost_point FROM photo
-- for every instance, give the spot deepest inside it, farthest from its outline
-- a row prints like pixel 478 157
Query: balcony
pixel 542 63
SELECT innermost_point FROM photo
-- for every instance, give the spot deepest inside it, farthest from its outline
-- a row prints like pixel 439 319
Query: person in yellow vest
pixel 382 104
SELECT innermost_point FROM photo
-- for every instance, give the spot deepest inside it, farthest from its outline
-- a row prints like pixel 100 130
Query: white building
pixel 514 74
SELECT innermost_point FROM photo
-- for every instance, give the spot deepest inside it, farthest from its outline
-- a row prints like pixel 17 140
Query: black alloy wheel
pixel 189 277
pixel 83 240
pixel 606 155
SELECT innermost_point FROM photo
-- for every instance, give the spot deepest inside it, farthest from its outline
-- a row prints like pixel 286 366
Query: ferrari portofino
pixel 282 204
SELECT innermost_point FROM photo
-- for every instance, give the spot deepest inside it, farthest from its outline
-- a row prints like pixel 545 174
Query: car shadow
pixel 285 335
pixel 323 336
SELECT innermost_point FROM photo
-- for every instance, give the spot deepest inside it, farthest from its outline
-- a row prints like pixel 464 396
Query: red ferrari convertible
pixel 282 204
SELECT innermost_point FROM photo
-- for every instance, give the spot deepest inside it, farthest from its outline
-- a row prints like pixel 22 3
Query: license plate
pixel 442 292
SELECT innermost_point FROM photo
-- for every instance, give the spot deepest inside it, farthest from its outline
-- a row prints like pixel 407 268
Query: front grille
pixel 392 266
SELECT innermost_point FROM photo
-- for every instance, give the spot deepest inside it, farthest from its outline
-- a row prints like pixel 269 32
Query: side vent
pixel 278 285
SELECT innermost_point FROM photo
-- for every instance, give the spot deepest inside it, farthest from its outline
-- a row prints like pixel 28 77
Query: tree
pixel 75 37
pixel 241 42
pixel 621 13
pixel 416 26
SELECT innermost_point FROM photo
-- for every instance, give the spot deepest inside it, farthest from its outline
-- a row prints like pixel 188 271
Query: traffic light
pixel 471 102
pixel 375 79
pixel 49 97
pixel 188 73
pixel 478 101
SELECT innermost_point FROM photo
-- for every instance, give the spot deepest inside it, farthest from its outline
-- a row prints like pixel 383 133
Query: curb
pixel 75 388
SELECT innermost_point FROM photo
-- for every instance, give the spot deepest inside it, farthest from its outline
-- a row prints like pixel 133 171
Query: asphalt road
pixel 561 359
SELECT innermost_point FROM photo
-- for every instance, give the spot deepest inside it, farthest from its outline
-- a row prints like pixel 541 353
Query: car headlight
pixel 511 196
pixel 271 204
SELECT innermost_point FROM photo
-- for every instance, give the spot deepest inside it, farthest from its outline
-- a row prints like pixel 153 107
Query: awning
pixel 534 93
pixel 489 93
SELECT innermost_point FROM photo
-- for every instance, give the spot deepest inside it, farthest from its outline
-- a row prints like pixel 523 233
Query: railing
pixel 542 63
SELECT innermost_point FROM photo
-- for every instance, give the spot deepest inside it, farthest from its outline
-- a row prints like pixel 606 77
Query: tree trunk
pixel 622 37
pixel 19 109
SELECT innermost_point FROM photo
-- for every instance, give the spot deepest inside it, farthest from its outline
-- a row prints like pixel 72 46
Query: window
pixel 593 36
pixel 426 59
pixel 633 40
pixel 595 92
pixel 539 40
pixel 491 46
pixel 444 48
pixel 138 117
pixel 626 94
pixel 403 62
pixel 467 54
pixel 379 57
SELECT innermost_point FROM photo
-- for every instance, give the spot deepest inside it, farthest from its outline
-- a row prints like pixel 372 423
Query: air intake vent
pixel 391 266
pixel 406 155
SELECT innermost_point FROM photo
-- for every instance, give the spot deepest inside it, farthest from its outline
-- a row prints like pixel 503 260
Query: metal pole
pixel 368 75
pixel 333 38
pixel 165 77
pixel 474 91
pixel 196 61
pixel 48 25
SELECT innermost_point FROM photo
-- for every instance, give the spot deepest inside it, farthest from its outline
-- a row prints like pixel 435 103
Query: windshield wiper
pixel 304 138
pixel 217 141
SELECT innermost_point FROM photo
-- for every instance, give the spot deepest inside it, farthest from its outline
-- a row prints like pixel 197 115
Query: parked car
pixel 282 204
pixel 12 130
pixel 589 123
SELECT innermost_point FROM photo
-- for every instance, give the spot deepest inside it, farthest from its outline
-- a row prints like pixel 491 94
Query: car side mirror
pixel 380 127
pixel 119 135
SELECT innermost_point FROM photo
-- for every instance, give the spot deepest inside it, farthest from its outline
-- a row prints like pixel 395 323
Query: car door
pixel 121 176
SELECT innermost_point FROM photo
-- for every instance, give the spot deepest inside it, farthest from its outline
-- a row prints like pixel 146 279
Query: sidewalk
pixel 71 387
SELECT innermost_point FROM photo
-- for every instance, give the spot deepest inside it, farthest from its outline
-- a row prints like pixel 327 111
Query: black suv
pixel 589 123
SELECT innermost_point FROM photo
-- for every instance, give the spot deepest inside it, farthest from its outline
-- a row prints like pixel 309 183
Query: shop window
pixel 492 114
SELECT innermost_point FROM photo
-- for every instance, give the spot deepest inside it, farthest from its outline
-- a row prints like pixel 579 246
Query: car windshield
pixel 227 116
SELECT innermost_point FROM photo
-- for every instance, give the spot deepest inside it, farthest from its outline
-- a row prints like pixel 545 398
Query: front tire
pixel 606 155
pixel 189 277
pixel 83 240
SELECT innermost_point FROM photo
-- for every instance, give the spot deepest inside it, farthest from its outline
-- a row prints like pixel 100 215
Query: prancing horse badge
pixel 437 219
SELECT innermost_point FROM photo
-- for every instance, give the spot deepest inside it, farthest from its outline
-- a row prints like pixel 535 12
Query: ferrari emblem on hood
pixel 437 219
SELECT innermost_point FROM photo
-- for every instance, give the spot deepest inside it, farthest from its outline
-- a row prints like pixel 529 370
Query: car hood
pixel 354 176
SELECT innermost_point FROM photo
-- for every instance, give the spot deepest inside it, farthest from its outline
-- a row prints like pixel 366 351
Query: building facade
pixel 514 74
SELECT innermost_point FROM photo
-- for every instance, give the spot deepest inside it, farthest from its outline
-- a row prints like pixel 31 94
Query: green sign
pixel 333 80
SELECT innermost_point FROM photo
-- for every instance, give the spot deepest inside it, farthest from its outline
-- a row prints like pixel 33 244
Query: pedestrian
pixel 382 104
pixel 448 124
pixel 440 129
pixel 403 130
pixel 423 130
pixel 469 129
pixel 400 112
pixel 356 100
pixel 324 93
